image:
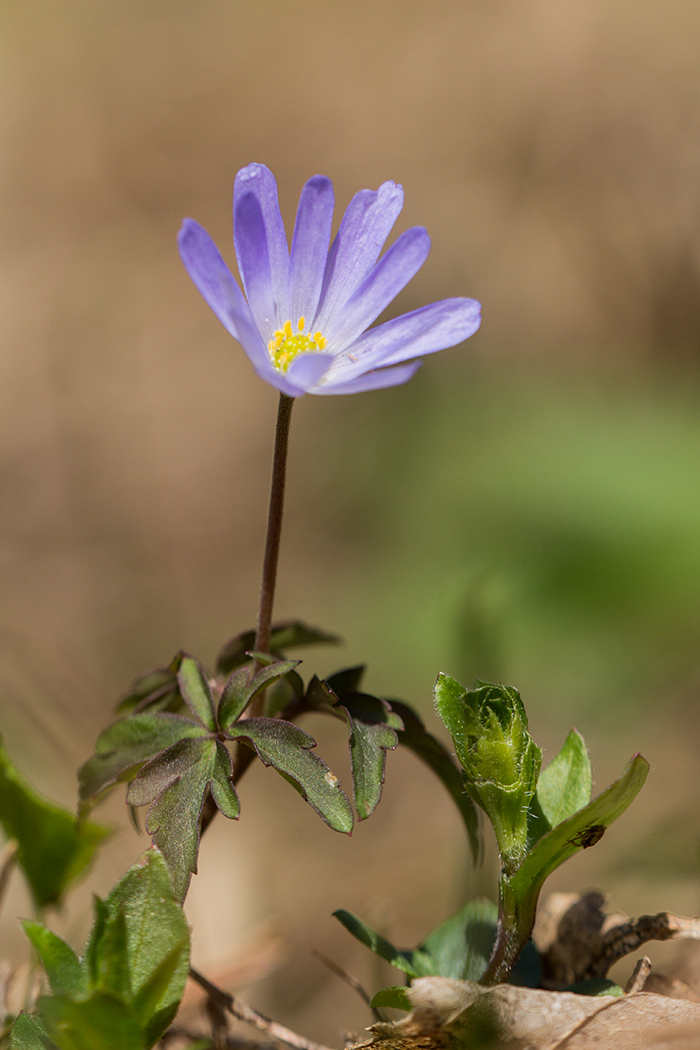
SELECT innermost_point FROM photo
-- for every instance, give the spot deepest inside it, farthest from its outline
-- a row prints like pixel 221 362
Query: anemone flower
pixel 304 320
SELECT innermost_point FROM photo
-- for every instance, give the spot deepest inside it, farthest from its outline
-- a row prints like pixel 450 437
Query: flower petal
pixel 433 327
pixel 391 274
pixel 218 286
pixel 307 370
pixel 366 225
pixel 375 380
pixel 258 234
pixel 312 235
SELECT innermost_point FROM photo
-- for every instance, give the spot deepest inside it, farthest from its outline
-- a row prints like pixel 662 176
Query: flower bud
pixel 500 760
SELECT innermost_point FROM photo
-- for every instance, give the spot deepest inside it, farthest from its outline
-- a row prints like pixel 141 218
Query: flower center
pixel 287 344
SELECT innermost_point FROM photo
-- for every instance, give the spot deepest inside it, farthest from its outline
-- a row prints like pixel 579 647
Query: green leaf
pixel 395 998
pixel 373 726
pixel 28 1033
pixel 155 928
pixel 579 831
pixel 284 636
pixel 196 692
pixel 110 960
pixel 436 756
pixel 221 786
pixel 597 987
pixel 501 762
pixel 242 687
pixel 403 961
pixel 53 847
pixel 286 747
pixel 99 1021
pixel 61 965
pixel 461 946
pixel 146 1003
pixel 123 747
pixel 564 787
pixel 175 783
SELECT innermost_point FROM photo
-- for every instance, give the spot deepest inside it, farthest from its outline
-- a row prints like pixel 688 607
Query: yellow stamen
pixel 287 344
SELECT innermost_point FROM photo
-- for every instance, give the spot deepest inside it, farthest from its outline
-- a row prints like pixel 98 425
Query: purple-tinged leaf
pixel 347 681
pixel 196 692
pixel 222 789
pixel 372 725
pixel 286 747
pixel 175 784
pixel 156 691
pixel 242 687
pixel 124 746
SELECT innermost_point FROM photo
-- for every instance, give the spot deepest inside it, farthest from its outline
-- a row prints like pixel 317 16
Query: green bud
pixel 501 762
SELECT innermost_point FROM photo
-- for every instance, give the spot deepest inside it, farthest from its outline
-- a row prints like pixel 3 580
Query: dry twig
pixel 243 1012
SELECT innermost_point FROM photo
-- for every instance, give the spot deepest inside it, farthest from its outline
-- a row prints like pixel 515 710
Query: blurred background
pixel 527 509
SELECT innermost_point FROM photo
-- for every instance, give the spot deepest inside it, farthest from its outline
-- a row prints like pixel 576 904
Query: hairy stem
pixel 516 919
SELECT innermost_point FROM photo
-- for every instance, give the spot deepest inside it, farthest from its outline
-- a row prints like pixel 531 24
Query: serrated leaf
pixel 242 688
pixel 99 1021
pixel 373 726
pixel 28 1033
pixel 155 928
pixel 394 998
pixel 402 961
pixel 286 747
pixel 283 636
pixel 61 965
pixel 461 946
pixel 53 847
pixel 195 691
pixel 563 788
pixel 175 783
pixel 123 747
pixel 436 756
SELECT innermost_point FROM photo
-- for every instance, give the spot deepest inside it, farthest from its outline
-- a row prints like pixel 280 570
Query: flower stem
pixel 274 525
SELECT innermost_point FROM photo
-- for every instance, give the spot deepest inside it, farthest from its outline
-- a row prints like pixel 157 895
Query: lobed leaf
pixel 242 687
pixel 373 726
pixel 156 690
pixel 195 691
pixel 175 783
pixel 123 747
pixel 286 748
pixel 53 847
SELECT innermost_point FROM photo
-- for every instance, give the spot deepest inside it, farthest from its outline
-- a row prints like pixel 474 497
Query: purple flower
pixel 304 321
